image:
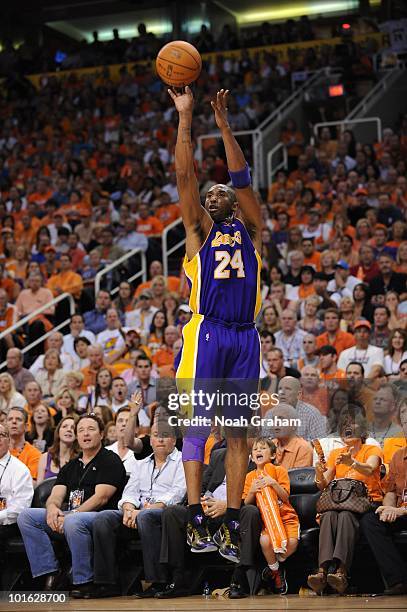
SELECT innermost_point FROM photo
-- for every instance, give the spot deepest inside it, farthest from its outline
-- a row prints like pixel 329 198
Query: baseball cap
pixel 147 294
pixel 342 264
pixel 327 349
pixel 362 323
pixel 184 308
pixel 128 330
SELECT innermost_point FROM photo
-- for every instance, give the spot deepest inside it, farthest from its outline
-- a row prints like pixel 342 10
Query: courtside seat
pixel 302 480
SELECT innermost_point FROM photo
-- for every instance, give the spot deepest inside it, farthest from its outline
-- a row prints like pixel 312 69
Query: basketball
pixel 178 63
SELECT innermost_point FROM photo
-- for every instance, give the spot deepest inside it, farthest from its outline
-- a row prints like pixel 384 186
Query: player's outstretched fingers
pixel 172 94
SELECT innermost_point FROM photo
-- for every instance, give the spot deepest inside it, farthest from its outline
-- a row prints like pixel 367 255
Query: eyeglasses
pixel 4 435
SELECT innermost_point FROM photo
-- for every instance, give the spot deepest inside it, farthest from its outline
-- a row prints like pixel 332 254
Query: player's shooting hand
pixel 220 108
pixel 184 102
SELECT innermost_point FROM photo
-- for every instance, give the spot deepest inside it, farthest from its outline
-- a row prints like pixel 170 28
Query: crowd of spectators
pixel 86 173
pixel 30 58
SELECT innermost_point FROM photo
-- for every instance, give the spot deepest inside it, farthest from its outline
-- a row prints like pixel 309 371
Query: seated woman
pixel 101 394
pixel 288 524
pixel 378 527
pixel 155 339
pixel 8 395
pixel 50 378
pixel 339 530
pixel 65 404
pixel 41 431
pixel 64 448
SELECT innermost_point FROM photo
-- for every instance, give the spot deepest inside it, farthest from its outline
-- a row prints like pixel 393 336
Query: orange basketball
pixel 178 63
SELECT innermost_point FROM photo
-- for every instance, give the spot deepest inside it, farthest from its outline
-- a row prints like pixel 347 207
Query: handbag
pixel 345 494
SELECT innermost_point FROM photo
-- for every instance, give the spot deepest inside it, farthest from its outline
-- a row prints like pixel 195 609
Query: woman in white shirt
pixel 8 395
pixel 397 351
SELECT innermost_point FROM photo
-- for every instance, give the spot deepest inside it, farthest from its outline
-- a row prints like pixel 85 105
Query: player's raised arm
pixel 194 216
pixel 238 170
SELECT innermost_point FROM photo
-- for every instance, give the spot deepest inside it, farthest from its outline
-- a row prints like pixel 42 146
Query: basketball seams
pixel 183 50
pixel 172 71
pixel 162 59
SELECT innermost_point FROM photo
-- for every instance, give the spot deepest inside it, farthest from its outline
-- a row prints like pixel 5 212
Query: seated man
pixel 86 485
pixel 292 451
pixel 174 528
pixel 16 491
pixel 378 527
pixel 157 482
pixel 21 449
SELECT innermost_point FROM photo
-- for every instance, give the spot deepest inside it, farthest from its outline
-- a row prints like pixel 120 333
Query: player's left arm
pixel 239 170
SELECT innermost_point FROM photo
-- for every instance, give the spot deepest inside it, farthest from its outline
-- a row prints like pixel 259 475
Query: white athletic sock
pixel 274 566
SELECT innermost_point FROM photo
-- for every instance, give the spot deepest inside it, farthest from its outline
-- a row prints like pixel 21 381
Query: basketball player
pixel 222 265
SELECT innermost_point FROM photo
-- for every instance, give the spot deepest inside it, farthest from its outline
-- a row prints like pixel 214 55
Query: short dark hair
pixel 80 339
pixel 362 369
pixel 92 416
pixel 332 311
pixel 383 306
pixel 21 411
pixel 144 358
pixel 265 333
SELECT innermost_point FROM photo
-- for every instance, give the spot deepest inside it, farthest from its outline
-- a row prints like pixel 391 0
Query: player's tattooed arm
pixel 192 212
pixel 249 203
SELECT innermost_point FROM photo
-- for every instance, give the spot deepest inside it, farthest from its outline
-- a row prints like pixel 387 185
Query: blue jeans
pixel 40 552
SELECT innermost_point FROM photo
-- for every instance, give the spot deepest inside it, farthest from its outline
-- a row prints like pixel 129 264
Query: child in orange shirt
pixel 276 477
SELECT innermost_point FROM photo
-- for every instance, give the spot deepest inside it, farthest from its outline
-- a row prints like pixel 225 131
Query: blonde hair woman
pixel 159 290
pixel 8 394
pixel 347 310
pixel 50 378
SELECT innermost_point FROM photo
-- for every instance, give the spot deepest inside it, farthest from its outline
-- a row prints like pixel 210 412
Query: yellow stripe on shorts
pixel 185 376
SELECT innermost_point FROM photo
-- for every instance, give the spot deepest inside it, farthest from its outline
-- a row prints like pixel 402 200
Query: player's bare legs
pixel 236 469
pixel 193 476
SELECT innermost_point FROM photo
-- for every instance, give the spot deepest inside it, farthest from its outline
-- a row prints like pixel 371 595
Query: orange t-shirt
pixel 313 261
pixel 391 446
pixel 67 281
pixel 344 471
pixel 30 456
pixel 343 340
pixel 9 317
pixel 280 474
pixel 173 283
pixel 149 226
pixel 164 357
pixel 167 214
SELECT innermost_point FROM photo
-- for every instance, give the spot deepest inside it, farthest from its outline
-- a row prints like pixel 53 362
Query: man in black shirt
pixel 85 486
pixel 388 280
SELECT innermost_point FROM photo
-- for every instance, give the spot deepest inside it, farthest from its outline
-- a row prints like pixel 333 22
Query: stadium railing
pixel 35 313
pixel 266 136
pixel 281 150
pixel 118 262
pixel 169 251
pixel 389 77
pixel 345 123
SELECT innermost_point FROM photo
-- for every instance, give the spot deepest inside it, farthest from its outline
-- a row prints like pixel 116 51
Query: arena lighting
pixel 335 91
pixel 290 9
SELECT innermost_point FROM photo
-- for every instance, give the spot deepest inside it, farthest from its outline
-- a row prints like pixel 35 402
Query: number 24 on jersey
pixel 226 262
